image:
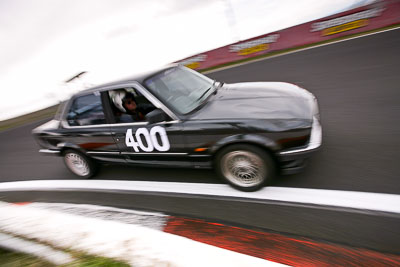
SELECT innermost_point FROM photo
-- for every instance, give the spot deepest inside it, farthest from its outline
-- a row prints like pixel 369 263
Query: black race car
pixel 175 116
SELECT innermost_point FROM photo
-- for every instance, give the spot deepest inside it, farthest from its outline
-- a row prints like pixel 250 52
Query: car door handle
pixel 119 136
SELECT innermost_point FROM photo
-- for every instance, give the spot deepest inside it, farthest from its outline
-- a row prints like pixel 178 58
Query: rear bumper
pixel 54 152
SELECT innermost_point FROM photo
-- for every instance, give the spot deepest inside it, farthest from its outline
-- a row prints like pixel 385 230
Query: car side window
pixel 86 110
pixel 129 105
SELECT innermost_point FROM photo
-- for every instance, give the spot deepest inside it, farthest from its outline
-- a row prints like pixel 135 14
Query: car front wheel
pixel 245 167
pixel 79 164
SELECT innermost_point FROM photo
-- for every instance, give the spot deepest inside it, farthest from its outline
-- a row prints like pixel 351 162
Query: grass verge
pixel 31 117
pixel 16 259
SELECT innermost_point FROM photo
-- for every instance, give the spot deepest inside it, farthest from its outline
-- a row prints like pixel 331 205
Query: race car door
pixel 86 128
pixel 140 141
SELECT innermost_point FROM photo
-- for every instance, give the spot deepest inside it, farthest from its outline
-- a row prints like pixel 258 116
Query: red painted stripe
pixel 276 247
pixel 94 145
pixel 22 203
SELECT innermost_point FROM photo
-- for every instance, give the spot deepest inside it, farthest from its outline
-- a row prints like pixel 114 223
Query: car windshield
pixel 180 88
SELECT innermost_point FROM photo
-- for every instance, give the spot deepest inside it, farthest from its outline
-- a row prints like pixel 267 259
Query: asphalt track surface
pixel 357 83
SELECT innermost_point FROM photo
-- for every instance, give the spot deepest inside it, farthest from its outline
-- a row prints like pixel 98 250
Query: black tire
pixel 245 167
pixel 79 164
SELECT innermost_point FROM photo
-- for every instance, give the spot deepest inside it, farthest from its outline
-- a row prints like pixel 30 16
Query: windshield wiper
pixel 205 92
pixel 220 84
pixel 215 87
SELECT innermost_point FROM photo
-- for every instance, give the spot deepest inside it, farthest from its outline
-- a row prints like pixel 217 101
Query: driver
pixel 132 111
pixel 138 112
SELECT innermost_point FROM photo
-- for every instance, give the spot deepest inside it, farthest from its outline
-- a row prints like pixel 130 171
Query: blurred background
pixel 346 53
pixel 45 42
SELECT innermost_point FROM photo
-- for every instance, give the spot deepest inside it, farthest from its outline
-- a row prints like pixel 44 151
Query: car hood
pixel 258 100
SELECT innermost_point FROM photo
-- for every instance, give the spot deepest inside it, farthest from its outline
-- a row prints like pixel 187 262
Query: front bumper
pixel 302 152
pixel 295 159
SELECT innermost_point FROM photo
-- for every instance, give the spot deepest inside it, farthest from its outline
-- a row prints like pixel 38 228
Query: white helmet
pixel 116 97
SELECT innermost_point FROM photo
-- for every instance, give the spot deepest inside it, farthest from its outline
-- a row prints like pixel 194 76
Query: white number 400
pixel 150 137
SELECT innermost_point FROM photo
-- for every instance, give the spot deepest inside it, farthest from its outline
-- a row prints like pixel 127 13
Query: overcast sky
pixel 45 42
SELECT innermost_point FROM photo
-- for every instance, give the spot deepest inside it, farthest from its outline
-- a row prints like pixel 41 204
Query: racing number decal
pixel 152 142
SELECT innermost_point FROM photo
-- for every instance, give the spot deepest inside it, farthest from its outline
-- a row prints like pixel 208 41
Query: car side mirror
pixel 157 115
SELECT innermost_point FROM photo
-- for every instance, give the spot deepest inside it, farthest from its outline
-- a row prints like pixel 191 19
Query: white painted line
pixel 336 198
pixel 89 207
pixel 296 51
pixel 41 251
pixel 136 245
pixel 153 220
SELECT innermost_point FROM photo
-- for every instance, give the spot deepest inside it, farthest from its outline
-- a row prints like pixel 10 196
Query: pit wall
pixel 378 15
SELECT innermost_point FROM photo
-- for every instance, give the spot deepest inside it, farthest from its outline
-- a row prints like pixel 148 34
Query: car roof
pixel 135 78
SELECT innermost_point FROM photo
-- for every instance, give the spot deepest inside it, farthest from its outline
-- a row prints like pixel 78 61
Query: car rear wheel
pixel 79 164
pixel 245 167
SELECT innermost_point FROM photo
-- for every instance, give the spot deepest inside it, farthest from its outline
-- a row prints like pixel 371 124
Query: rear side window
pixel 86 110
